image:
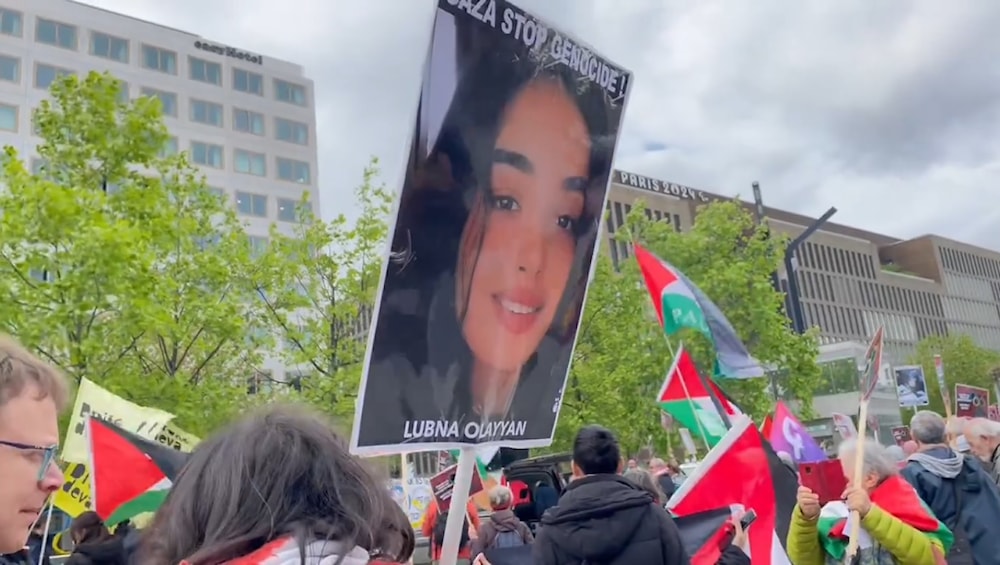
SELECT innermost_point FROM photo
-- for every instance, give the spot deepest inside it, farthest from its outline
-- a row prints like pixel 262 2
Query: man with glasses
pixel 32 394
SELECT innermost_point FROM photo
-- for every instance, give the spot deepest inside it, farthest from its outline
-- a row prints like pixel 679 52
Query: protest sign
pixel 95 401
pixel 494 236
pixel 901 434
pixel 443 483
pixel 74 497
pixel 911 386
pixel 972 401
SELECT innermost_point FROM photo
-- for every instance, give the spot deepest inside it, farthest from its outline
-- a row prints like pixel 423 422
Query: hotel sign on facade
pixel 667 188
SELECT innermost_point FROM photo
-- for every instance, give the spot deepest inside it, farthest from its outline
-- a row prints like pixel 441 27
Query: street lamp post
pixel 791 263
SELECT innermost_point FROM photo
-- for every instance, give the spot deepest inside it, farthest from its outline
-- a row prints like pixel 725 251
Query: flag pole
pixel 687 395
pixel 868 381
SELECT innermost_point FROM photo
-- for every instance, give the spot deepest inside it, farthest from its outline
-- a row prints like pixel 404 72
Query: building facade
pixel 851 281
pixel 247 120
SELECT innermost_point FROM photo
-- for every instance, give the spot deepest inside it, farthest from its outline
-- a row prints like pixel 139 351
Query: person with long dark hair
pixel 277 488
pixel 493 243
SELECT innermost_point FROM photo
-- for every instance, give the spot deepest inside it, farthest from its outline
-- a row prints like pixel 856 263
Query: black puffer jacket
pixel 606 519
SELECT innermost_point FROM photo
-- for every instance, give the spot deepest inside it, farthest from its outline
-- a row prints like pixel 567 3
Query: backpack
pixel 442 524
pixel 504 540
pixel 961 550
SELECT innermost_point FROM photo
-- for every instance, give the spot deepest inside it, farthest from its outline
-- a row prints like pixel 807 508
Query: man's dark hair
pixel 596 451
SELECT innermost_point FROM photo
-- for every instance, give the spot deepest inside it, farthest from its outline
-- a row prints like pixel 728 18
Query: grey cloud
pixel 886 110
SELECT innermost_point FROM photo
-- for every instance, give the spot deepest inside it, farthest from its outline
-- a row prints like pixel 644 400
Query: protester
pixel 897 453
pixel 434 523
pixel 892 517
pixel 502 529
pixel 278 487
pixel 644 480
pixel 956 488
pixel 39 540
pixel 664 477
pixel 93 543
pixel 909 447
pixel 604 518
pixel 788 461
pixel 955 432
pixel 983 436
pixel 32 394
pixel 21 557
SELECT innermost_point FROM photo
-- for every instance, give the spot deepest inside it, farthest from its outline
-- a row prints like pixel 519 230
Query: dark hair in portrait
pixel 454 196
pixel 279 472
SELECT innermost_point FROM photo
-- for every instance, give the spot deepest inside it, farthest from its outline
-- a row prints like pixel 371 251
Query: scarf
pixel 287 551
pixel 894 496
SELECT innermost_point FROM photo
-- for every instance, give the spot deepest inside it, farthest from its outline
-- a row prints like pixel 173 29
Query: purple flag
pixel 790 436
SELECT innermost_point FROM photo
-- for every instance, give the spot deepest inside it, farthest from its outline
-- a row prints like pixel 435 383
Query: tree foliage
pixel 731 258
pixel 118 264
pixel 964 363
pixel 322 310
pixel 618 365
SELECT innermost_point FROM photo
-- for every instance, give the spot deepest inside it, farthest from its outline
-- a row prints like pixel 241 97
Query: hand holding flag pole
pixel 869 378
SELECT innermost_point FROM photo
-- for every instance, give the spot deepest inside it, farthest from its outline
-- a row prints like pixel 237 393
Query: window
pixel 169 148
pixel 38 165
pixel 10 68
pixel 207 154
pixel 258 244
pixel 217 192
pixel 168 100
pixel 251 163
pixel 123 93
pixel 45 75
pixel 289 92
pixel 8 117
pixel 286 210
pixel 55 33
pixel 249 82
pixel 10 22
pixel 292 170
pixel 157 59
pixel 205 71
pixel 292 132
pixel 249 204
pixel 248 121
pixel 206 112
pixel 108 47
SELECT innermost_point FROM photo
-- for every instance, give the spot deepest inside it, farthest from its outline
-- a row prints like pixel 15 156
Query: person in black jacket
pixel 95 545
pixel 605 518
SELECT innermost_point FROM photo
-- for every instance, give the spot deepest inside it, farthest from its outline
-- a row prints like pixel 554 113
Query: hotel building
pixel 851 281
pixel 248 120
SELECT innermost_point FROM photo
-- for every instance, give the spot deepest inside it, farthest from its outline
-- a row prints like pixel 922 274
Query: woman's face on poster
pixel 538 179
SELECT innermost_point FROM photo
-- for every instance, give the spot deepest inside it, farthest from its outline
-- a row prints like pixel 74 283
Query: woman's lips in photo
pixel 518 310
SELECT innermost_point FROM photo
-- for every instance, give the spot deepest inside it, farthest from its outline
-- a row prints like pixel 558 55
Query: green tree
pixel 964 363
pixel 330 273
pixel 120 265
pixel 619 364
pixel 731 259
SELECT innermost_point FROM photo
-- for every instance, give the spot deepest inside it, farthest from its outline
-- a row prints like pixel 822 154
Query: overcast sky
pixel 889 111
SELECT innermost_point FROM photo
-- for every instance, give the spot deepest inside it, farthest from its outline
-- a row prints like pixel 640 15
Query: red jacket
pixel 431 517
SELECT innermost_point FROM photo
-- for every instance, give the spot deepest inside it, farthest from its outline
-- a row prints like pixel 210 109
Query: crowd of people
pixel 279 487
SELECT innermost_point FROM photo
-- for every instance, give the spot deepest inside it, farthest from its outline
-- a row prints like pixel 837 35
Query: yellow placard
pixel 92 400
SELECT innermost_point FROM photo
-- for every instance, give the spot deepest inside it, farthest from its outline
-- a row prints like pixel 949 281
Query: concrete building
pixel 248 120
pixel 852 280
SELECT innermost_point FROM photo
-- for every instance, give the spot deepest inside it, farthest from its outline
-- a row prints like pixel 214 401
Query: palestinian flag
pixel 681 305
pixel 684 396
pixel 906 505
pixel 766 425
pixel 129 475
pixel 702 533
pixel 742 470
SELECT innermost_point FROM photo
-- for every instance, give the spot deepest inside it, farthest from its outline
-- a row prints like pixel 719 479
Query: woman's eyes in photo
pixel 505 203
pixel 567 222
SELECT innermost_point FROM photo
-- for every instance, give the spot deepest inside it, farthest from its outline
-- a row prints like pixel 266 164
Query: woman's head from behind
pixel 88 528
pixel 279 472
pixel 645 481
